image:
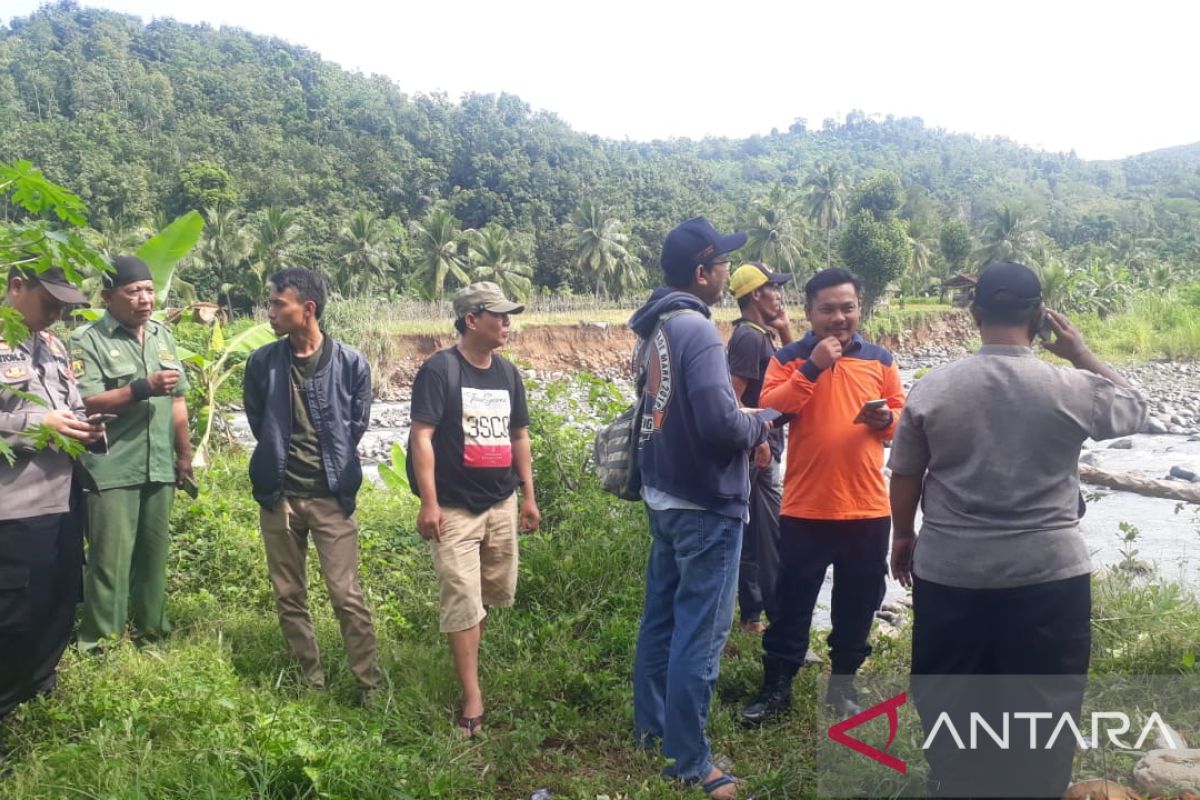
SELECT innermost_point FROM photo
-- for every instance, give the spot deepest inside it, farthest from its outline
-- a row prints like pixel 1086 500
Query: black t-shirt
pixel 472 448
pixel 750 350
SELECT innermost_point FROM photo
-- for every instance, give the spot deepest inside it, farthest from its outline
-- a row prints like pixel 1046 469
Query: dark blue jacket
pixel 695 441
pixel 339 404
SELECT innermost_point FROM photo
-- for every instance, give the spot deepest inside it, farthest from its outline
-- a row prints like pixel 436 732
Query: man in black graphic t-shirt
pixel 469 451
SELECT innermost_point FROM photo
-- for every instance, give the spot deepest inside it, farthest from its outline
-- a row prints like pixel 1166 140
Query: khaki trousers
pixel 285 532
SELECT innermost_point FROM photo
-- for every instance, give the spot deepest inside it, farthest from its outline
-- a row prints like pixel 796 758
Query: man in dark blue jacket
pixel 695 483
pixel 308 401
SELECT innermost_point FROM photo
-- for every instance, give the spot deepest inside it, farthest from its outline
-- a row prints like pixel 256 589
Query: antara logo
pixel 838 732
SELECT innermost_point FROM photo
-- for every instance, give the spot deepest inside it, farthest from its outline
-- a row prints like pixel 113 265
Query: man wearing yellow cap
pixel 762 317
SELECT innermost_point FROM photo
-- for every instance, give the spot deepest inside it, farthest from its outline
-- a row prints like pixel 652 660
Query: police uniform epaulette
pixel 57 349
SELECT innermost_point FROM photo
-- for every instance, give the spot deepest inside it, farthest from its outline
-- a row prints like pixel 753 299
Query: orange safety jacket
pixel 834 467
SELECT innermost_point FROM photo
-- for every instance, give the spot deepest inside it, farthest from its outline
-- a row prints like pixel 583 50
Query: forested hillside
pixel 294 160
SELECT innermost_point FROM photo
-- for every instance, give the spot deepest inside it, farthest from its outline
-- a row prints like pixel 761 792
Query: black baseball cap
pixel 693 243
pixel 57 286
pixel 1008 287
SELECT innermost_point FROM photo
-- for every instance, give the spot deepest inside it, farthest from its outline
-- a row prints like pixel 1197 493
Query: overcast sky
pixel 1105 79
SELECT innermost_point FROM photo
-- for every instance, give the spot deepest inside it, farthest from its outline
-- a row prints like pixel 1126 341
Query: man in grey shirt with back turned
pixel 1001 575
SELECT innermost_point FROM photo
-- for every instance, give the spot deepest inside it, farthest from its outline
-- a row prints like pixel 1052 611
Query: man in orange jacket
pixel 835 504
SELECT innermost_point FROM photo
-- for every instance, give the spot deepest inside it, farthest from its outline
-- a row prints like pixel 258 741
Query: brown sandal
pixel 469 726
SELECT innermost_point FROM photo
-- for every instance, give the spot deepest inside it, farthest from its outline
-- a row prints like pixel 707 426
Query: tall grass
pixel 1155 325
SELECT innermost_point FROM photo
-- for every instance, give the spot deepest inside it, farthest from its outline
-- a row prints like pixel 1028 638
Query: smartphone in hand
pixel 191 487
pixel 868 407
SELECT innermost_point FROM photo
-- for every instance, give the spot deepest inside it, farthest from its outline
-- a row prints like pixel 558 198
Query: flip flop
pixel 719 782
pixel 469 726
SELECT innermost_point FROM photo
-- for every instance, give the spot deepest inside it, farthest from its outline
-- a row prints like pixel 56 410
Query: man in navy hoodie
pixel 695 482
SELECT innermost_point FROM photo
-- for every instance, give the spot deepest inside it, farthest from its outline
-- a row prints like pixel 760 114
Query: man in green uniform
pixel 127 365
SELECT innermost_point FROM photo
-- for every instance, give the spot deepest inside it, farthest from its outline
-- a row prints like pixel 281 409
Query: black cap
pixel 693 243
pixel 127 269
pixel 56 284
pixel 1008 287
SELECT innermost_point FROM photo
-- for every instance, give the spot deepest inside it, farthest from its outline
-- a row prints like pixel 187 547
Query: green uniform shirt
pixel 141 441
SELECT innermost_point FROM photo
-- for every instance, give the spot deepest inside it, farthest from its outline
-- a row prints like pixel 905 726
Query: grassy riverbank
pixel 217 711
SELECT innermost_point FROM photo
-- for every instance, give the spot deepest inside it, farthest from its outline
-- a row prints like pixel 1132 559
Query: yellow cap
pixel 755 275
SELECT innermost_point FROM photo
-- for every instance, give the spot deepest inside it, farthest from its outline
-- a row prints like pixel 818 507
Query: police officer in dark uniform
pixel 41 538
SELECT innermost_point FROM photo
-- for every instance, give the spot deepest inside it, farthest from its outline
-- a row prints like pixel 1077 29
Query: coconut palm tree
pixel 438 240
pixel 272 249
pixel 775 230
pixel 363 257
pixel 495 257
pixel 1008 236
pixel 225 249
pixel 826 201
pixel 598 244
pixel 921 248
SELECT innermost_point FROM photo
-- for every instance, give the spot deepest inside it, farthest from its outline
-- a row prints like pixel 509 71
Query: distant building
pixel 963 288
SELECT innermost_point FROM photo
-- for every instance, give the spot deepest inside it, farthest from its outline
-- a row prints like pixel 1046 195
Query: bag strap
pixel 644 344
pixel 754 325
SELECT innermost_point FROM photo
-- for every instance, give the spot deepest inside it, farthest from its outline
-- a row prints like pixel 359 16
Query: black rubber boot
pixel 841 697
pixel 774 699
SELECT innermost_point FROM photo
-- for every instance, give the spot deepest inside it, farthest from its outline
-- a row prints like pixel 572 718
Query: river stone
pixel 1163 771
pixel 1100 789
pixel 1183 474
pixel 1121 444
pixel 1154 425
pixel 1170 739
pixel 1089 459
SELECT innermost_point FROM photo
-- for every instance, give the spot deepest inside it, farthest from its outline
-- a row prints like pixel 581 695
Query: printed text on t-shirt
pixel 485 417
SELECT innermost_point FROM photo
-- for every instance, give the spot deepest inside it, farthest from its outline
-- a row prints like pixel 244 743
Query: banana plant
pixel 162 253
pixel 394 475
pixel 211 370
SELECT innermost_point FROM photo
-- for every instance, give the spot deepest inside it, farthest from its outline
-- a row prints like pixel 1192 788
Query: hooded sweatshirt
pixel 695 439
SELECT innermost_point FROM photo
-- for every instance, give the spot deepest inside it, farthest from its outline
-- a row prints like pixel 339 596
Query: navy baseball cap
pixel 1008 287
pixel 693 243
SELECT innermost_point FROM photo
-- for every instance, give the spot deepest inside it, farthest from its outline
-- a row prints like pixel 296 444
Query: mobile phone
pixel 190 486
pixel 100 446
pixel 868 407
pixel 768 414
pixel 1045 332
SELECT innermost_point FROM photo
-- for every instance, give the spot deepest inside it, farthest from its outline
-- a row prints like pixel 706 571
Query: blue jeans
pixel 691 582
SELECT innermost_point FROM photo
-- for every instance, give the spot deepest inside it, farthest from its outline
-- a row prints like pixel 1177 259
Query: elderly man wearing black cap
pixel 469 453
pixel 989 446
pixel 693 458
pixel 41 531
pixel 127 366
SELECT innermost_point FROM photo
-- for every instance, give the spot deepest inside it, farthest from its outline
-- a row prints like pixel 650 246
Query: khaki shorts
pixel 476 563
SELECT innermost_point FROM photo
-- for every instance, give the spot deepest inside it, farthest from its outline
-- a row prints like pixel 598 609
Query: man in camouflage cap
pixel 468 453
pixel 127 364
pixel 41 532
